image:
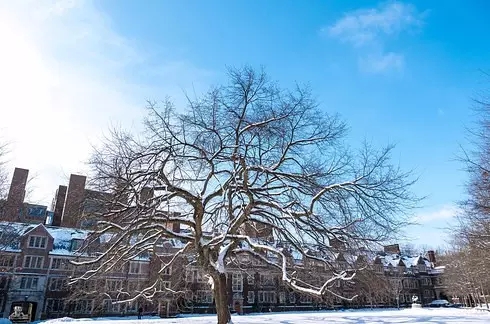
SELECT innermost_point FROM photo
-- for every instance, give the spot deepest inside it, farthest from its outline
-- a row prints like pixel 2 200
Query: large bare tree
pixel 245 166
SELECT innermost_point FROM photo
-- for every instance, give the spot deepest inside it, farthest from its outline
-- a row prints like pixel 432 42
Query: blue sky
pixel 398 72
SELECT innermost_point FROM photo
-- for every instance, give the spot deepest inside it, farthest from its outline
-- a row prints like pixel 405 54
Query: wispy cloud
pixel 378 63
pixel 66 76
pixel 443 213
pixel 368 30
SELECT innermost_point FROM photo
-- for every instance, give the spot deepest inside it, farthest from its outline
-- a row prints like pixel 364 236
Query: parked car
pixel 457 305
pixel 439 303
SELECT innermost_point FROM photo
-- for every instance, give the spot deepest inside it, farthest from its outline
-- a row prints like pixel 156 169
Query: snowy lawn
pixel 435 316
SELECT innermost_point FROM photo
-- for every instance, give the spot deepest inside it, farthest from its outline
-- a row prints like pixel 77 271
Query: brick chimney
pixel 16 195
pixel 145 194
pixel 431 255
pixel 58 205
pixel 75 197
pixel 393 248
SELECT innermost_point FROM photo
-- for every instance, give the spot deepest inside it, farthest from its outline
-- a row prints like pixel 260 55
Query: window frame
pixel 43 242
pixel 30 280
pixel 38 263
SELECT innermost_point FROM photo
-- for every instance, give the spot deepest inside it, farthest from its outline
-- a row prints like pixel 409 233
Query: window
pixel 37 242
pixel 167 271
pixel 282 297
pixel 203 296
pixel 237 282
pixel 60 263
pixel 251 297
pixel 251 279
pixel 110 307
pixel 132 307
pixel 266 279
pixel 3 284
pixel 76 245
pixel 113 285
pixel 57 284
pixel 305 299
pixel 33 262
pixel 292 298
pixel 164 285
pixel 6 261
pixel 133 286
pixel 194 275
pixel 427 293
pixel 134 267
pixel 84 306
pixel 54 306
pixel 267 297
pixel 28 283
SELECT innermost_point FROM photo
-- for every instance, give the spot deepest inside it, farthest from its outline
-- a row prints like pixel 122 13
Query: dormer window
pixel 37 242
pixel 76 245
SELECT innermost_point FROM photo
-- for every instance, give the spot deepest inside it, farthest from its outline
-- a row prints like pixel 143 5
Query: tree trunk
pixel 221 299
pixel 484 296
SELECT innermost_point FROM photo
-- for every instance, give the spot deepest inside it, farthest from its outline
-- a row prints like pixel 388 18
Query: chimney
pixel 16 195
pixel 146 194
pixel 121 193
pixel 75 197
pixel 431 255
pixel 59 202
pixel 336 243
pixel 176 227
pixel 393 248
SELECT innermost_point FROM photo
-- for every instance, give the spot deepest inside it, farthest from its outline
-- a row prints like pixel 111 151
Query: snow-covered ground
pixel 434 316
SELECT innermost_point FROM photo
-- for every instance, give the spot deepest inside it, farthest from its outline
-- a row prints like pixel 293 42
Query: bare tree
pixel 475 218
pixel 3 173
pixel 471 238
pixel 246 165
pixel 8 232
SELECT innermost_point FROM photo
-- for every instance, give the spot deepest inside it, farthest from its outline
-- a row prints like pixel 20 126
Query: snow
pixel 439 316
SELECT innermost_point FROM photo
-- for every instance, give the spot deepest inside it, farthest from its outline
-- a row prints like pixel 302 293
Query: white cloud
pixel 443 213
pixel 382 62
pixel 66 75
pixel 364 26
pixel 369 29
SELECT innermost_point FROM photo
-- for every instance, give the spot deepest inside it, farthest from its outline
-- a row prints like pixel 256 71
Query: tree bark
pixel 221 299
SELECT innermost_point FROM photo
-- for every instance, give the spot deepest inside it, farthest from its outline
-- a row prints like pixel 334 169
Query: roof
pixel 62 236
pixel 408 261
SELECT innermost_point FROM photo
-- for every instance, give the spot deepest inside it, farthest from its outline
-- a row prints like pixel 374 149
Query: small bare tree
pixel 3 174
pixel 245 166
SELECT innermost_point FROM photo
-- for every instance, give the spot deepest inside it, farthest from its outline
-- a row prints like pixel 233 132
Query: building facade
pixel 35 270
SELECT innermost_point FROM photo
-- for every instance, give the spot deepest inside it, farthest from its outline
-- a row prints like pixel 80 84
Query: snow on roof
pixel 62 236
pixel 394 260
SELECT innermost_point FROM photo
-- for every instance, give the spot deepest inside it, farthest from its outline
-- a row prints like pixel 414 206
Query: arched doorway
pixel 28 308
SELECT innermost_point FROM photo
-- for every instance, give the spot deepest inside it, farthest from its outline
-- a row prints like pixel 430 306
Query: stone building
pixel 35 268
